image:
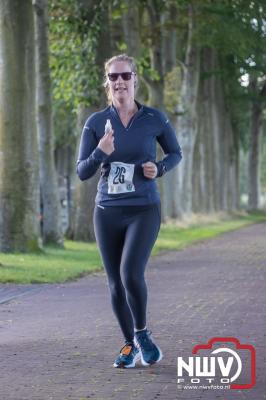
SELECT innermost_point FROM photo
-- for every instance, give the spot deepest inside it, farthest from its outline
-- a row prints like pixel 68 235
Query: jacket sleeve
pixel 90 156
pixel 168 142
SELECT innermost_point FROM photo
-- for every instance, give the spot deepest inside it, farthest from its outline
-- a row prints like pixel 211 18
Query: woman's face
pixel 121 89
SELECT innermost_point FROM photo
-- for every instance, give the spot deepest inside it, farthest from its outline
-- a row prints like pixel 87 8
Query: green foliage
pixel 237 30
pixel 118 7
pixel 172 89
pixel 64 124
pixel 76 78
pixel 122 47
pixel 145 68
pixel 74 33
pixel 216 18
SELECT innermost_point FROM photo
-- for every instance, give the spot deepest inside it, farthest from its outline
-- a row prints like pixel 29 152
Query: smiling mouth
pixel 120 89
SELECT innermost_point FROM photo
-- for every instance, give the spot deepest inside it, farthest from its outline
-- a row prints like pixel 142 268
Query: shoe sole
pixel 132 365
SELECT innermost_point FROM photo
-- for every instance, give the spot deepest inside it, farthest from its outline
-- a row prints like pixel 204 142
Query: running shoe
pixel 129 355
pixel 150 352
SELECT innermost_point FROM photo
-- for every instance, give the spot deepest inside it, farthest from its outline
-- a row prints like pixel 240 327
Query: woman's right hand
pixel 106 144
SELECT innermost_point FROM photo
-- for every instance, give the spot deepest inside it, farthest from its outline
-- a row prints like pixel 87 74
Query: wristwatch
pixel 161 169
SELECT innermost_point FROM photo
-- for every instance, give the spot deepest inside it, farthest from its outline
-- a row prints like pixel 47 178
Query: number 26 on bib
pixel 120 179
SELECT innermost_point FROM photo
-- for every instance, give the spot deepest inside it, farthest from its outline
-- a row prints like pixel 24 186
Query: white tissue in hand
pixel 108 126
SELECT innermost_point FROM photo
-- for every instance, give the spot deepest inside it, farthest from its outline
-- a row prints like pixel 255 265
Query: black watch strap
pixel 161 169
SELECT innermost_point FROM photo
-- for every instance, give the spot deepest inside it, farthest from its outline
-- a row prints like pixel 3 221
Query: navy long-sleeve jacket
pixel 122 181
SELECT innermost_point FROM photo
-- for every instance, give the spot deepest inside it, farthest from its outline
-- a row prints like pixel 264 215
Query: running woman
pixel 121 139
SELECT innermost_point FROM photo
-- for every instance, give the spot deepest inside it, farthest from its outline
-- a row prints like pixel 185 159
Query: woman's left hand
pixel 149 170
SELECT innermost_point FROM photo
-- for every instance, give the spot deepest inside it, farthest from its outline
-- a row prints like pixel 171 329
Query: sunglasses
pixel 126 76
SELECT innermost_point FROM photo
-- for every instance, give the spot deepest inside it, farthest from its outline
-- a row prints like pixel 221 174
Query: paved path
pixel 59 342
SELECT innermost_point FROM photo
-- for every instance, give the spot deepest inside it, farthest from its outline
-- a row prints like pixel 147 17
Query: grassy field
pixel 78 258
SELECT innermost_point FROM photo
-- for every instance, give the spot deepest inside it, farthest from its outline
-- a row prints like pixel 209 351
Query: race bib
pixel 120 179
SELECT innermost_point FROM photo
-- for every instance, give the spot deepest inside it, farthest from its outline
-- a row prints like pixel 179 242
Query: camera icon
pixel 235 355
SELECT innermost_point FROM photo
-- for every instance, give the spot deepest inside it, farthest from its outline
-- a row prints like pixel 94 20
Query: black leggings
pixel 125 236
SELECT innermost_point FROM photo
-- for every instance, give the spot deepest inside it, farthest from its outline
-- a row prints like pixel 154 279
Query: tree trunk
pixel 187 121
pixel 199 198
pixel 169 59
pixel 254 150
pixel 51 228
pixel 216 131
pixel 131 28
pixel 215 180
pixel 233 190
pixel 211 129
pixel 19 169
pixel 229 150
pixel 84 194
pixel 156 87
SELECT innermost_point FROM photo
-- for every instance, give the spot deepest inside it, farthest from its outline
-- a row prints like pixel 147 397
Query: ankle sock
pixel 140 330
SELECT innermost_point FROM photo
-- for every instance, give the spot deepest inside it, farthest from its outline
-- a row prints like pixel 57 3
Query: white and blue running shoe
pixel 150 352
pixel 129 355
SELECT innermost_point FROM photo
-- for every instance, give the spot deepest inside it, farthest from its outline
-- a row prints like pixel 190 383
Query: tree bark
pixel 131 28
pixel 156 87
pixel 215 179
pixel 255 146
pixel 199 198
pixel 169 20
pixel 202 197
pixel 85 193
pixel 51 228
pixel 187 119
pixel 19 168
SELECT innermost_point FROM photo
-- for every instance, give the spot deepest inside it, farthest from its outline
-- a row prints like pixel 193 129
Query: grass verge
pixel 78 258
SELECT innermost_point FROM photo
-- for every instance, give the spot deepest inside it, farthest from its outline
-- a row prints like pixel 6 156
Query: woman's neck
pixel 126 108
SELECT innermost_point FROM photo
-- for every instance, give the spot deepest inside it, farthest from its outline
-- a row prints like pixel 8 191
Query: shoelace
pixel 145 340
pixel 125 351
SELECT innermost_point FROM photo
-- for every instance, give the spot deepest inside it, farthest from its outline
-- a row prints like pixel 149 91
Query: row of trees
pixel 197 60
pixel 203 62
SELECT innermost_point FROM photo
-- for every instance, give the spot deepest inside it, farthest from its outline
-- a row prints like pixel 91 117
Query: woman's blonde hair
pixel 108 63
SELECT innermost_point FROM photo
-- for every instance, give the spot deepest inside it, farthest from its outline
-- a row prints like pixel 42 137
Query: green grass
pixel 173 237
pixel 52 265
pixel 78 258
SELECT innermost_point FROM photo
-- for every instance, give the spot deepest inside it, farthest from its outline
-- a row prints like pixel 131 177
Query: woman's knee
pixel 117 289
pixel 134 283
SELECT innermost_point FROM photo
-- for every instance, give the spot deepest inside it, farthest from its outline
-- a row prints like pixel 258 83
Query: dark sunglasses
pixel 126 76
